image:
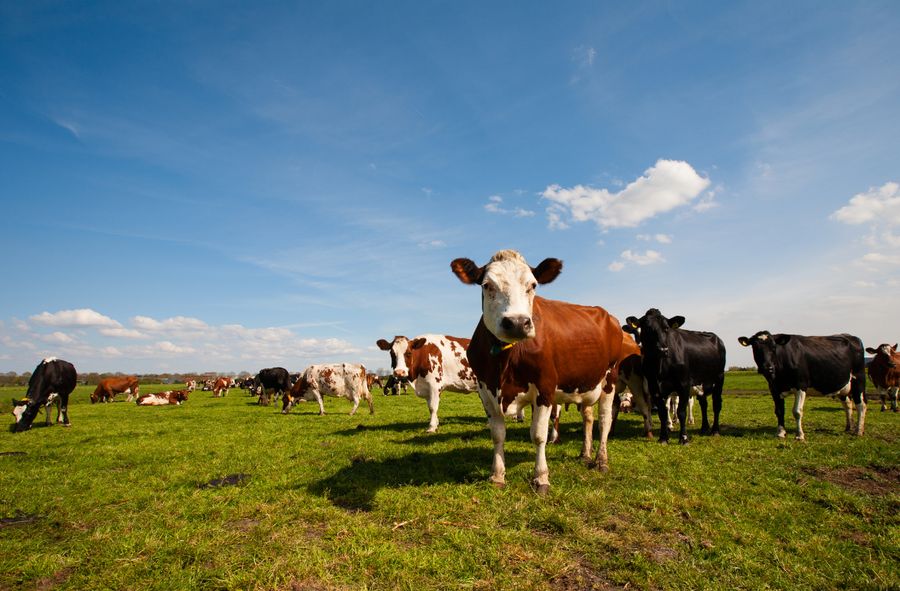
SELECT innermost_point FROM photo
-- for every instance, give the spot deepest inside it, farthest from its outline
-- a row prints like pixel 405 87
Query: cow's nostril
pixel 506 324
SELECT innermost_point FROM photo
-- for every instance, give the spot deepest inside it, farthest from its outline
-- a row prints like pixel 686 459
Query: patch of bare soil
pixel 580 577
pixel 19 519
pixel 871 480
pixel 57 578
pixel 311 585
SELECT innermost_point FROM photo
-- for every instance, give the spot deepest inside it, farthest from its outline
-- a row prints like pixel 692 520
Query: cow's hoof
pixel 541 489
pixel 603 467
pixel 664 442
pixel 704 431
pixel 431 430
pixel 498 483
pixel 683 440
pixel 883 408
pixel 800 438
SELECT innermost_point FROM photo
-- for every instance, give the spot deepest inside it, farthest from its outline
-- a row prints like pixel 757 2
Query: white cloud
pixel 616 266
pixel 878 204
pixel 877 257
pixel 650 257
pixel 661 238
pixel 174 324
pixel 125 333
pixel 432 244
pixel 58 338
pixel 666 185
pixel 81 317
pixel 495 205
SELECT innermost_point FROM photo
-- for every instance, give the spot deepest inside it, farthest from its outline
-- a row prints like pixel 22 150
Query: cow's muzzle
pixel 517 327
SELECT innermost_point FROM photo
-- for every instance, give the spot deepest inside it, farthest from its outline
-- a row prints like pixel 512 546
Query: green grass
pixel 372 502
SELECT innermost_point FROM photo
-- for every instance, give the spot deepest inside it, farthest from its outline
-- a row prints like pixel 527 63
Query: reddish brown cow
pixel 530 351
pixel 108 388
pixel 884 371
pixel 373 379
pixel 220 388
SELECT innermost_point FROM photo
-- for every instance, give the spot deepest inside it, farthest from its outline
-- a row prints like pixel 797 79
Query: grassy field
pixel 224 494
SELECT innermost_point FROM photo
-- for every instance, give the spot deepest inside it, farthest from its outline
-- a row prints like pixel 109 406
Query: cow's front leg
pixel 848 413
pixel 434 401
pixel 540 420
pixel 683 397
pixel 587 415
pixel 662 409
pixel 779 415
pixel 498 436
pixel 554 423
pixel 318 397
pixel 799 399
pixel 606 402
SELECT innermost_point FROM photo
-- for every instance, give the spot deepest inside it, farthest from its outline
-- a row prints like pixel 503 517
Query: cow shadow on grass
pixel 408 426
pixel 354 488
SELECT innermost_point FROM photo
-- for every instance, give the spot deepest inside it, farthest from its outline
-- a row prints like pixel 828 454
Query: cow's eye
pixel 489 288
pixel 531 287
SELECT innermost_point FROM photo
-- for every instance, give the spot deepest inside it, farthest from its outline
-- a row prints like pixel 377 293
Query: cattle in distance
pixel 107 389
pixel 795 364
pixel 884 371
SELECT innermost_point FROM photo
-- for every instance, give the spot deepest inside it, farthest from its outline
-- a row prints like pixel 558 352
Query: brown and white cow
pixel 220 388
pixel 163 398
pixel 433 363
pixel 342 380
pixel 190 385
pixel 527 350
pixel 884 371
pixel 108 388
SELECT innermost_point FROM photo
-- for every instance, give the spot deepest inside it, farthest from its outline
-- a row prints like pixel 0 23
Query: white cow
pixel 341 380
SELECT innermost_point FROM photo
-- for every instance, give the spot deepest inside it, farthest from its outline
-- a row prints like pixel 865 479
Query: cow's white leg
pixel 883 394
pixel 690 416
pixel 587 415
pixel 860 415
pixel 848 414
pixel 606 404
pixel 434 401
pixel 520 415
pixel 893 394
pixel 498 435
pixel 355 401
pixel 673 410
pixel 540 420
pixel 799 399
pixel 318 396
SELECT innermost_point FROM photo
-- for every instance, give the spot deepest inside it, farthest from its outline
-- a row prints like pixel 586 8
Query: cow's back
pixel 825 363
pixel 442 361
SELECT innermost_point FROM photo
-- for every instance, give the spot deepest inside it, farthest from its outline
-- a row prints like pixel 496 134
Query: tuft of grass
pixel 225 494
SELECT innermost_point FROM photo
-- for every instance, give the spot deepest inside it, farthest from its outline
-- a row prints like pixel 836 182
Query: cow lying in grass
pixel 163 398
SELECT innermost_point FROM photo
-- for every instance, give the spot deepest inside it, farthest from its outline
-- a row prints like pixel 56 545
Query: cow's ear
pixel 676 321
pixel 782 339
pixel 894 348
pixel 416 343
pixel 467 271
pixel 632 322
pixel 871 350
pixel 547 271
pixel 383 345
pixel 627 328
pixel 744 341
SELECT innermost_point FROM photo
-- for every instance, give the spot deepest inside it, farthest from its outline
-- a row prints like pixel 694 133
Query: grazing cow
pixel 276 379
pixel 51 377
pixel 373 379
pixel 884 371
pixel 190 385
pixel 208 385
pixel 674 361
pixel 432 363
pixel 527 350
pixel 108 388
pixel 834 365
pixel 163 398
pixel 220 388
pixel 341 380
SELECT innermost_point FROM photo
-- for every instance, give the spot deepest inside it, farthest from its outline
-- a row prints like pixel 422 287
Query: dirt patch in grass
pixel 19 519
pixel 230 480
pixel 871 480
pixel 312 585
pixel 12 453
pixel 57 578
pixel 244 525
pixel 582 576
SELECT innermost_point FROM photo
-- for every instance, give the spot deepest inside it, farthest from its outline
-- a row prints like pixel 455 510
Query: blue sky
pixel 230 186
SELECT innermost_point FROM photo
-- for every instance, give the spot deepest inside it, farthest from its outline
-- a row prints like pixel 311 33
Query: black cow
pixel 833 365
pixel 674 360
pixel 51 376
pixel 394 385
pixel 272 378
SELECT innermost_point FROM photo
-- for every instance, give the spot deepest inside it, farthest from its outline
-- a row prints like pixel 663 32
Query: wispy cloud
pixel 495 205
pixel 81 317
pixel 648 257
pixel 666 185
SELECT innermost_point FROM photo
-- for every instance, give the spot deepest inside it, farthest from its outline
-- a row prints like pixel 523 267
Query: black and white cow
pixel 271 378
pixel 675 361
pixel 834 365
pixel 51 377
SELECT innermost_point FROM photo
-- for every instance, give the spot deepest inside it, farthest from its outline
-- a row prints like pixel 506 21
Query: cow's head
pixel 765 351
pixel 19 406
pixel 653 331
pixel 507 291
pixel 401 349
pixel 886 350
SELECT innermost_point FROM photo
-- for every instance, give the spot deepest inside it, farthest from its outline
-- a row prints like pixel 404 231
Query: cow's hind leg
pixel 682 415
pixel 606 402
pixel 799 399
pixel 859 399
pixel 540 420
pixel 434 401
pixel 704 420
pixel 587 415
pixel 848 413
pixel 717 404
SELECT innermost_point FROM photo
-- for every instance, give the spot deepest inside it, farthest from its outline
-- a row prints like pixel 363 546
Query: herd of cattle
pixel 527 351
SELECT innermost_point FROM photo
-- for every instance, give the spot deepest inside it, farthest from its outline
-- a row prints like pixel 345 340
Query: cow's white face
pixel 507 297
pixel 18 409
pixel 401 355
pixel 507 291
